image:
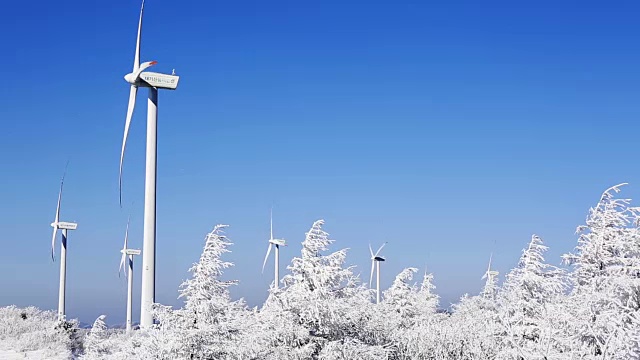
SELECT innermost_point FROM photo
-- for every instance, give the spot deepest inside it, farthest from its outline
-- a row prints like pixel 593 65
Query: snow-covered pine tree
pixel 98 343
pixel 206 327
pixel 321 295
pixel 205 294
pixel 605 299
pixel 524 309
pixel 399 304
pixel 408 312
pixel 427 299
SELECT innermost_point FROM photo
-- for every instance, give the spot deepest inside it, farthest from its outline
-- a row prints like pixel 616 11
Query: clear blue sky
pixel 449 130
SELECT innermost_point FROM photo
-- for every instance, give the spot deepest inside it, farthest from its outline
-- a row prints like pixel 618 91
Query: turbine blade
pixel 126 233
pixel 136 58
pixel 60 194
pixel 266 257
pixel 378 252
pixel 53 243
pixel 271 238
pixel 55 227
pixel 371 251
pixel 124 248
pixel 143 67
pixel 132 104
pixel 373 264
pixel 122 259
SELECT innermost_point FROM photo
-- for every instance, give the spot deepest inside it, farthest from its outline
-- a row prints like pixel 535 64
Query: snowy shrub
pixel 29 329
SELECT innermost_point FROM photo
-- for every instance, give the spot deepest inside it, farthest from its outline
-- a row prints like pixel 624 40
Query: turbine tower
pixel 64 226
pixel 154 81
pixel 277 243
pixel 126 252
pixel 375 262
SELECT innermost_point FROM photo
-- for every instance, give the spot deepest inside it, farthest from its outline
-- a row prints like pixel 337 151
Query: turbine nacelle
pixel 278 242
pixel 130 252
pixel 378 258
pixel 64 225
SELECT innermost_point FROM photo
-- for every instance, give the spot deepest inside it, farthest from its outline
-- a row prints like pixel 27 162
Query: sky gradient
pixel 449 130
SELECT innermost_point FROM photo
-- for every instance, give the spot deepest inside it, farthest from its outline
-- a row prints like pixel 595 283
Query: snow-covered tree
pixel 524 306
pixel 102 343
pixel 205 294
pixel 427 299
pixel 206 327
pixel 605 299
pixel 321 295
pixel 400 299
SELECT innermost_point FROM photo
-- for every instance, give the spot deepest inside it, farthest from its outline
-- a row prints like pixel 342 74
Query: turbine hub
pixel 129 78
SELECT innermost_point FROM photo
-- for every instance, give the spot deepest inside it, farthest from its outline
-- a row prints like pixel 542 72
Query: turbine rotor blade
pixel 490 258
pixel 122 259
pixel 57 219
pixel 136 58
pixel 373 264
pixel 127 124
pixel 53 243
pixel 124 248
pixel 126 233
pixel 271 238
pixel 142 68
pixel 371 251
pixel 378 252
pixel 266 257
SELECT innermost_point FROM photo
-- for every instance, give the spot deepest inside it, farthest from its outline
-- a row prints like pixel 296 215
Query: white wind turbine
pixel 375 262
pixel 153 81
pixel 490 275
pixel 126 252
pixel 277 243
pixel 64 226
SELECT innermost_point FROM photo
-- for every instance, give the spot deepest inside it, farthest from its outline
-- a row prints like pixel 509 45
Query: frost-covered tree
pixel 102 343
pixel 526 309
pixel 605 298
pixel 321 295
pixel 205 294
pixel 427 299
pixel 409 315
pixel 400 299
pixel 207 326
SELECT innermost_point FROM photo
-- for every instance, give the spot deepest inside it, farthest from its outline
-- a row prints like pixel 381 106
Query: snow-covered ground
pixel 31 355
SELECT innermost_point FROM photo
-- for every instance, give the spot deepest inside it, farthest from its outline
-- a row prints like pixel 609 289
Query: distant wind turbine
pixel 153 81
pixel 490 275
pixel 64 226
pixel 126 252
pixel 277 243
pixel 375 262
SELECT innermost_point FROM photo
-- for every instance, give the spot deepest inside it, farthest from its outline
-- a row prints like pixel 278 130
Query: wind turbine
pixel 126 252
pixel 490 275
pixel 375 262
pixel 277 243
pixel 154 81
pixel 64 226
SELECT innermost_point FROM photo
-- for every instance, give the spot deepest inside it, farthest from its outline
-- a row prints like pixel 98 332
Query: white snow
pixel 32 355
